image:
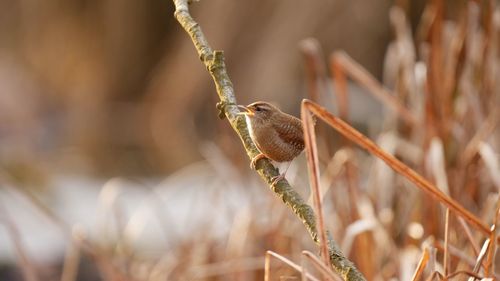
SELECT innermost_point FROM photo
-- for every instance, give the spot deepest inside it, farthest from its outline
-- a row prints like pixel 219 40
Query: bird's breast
pixel 270 143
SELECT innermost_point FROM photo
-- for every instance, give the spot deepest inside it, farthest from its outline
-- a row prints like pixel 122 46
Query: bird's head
pixel 259 110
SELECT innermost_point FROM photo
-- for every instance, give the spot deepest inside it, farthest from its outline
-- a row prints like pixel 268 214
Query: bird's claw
pixel 276 179
pixel 253 163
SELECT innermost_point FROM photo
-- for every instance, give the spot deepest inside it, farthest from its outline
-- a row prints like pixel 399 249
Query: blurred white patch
pixel 436 165
pixel 490 159
pixel 415 230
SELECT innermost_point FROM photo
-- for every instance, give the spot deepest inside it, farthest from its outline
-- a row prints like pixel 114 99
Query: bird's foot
pixel 253 163
pixel 276 179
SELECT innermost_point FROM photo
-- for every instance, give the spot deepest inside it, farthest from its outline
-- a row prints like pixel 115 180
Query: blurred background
pixel 107 88
pixel 114 164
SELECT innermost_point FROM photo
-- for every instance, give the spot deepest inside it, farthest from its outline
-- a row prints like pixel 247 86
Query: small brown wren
pixel 277 135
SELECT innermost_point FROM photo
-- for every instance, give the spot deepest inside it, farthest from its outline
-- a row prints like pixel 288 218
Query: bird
pixel 277 135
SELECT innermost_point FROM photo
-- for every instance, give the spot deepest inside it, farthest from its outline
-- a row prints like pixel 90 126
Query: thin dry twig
pixel 313 167
pixel 437 275
pixel 482 254
pixel 468 234
pixel 454 251
pixel 267 267
pixel 364 78
pixel 315 67
pixel 488 270
pixel 339 80
pixel 484 131
pixel 421 265
pixel 319 265
pixel 446 240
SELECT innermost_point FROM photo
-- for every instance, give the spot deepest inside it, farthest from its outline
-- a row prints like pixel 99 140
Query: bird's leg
pixel 253 163
pixel 276 179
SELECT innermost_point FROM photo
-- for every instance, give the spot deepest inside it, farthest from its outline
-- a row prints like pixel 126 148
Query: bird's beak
pixel 246 110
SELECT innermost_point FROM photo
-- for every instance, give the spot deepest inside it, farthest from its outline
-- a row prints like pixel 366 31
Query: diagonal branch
pixel 214 62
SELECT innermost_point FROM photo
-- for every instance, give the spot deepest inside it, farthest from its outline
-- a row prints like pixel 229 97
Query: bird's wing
pixel 291 132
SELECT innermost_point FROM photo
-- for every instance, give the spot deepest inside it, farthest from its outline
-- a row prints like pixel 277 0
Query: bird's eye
pixel 257 108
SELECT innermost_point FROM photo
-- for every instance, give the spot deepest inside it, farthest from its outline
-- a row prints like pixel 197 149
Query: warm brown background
pixel 115 87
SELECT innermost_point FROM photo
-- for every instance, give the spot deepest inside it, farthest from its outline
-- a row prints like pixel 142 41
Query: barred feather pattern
pixel 279 137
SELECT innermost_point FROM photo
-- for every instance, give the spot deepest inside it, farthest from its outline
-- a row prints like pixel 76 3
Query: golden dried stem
pixel 358 138
pixel 446 241
pixel 313 167
pixel 421 265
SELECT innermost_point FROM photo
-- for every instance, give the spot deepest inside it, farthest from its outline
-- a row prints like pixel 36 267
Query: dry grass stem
pixel 470 237
pixel 267 268
pixel 486 129
pixel 313 167
pixel 455 252
pixel 489 265
pixel 206 271
pixel 71 262
pixel 106 268
pixel 358 138
pixel 340 85
pixel 435 275
pixel 421 265
pixel 27 267
pixel 490 160
pixel 353 230
pixel 482 254
pixel 365 79
pixel 462 272
pixel 446 241
pixel 319 265
pixel 315 69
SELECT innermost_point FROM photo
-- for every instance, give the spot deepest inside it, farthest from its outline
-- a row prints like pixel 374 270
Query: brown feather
pixel 290 131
